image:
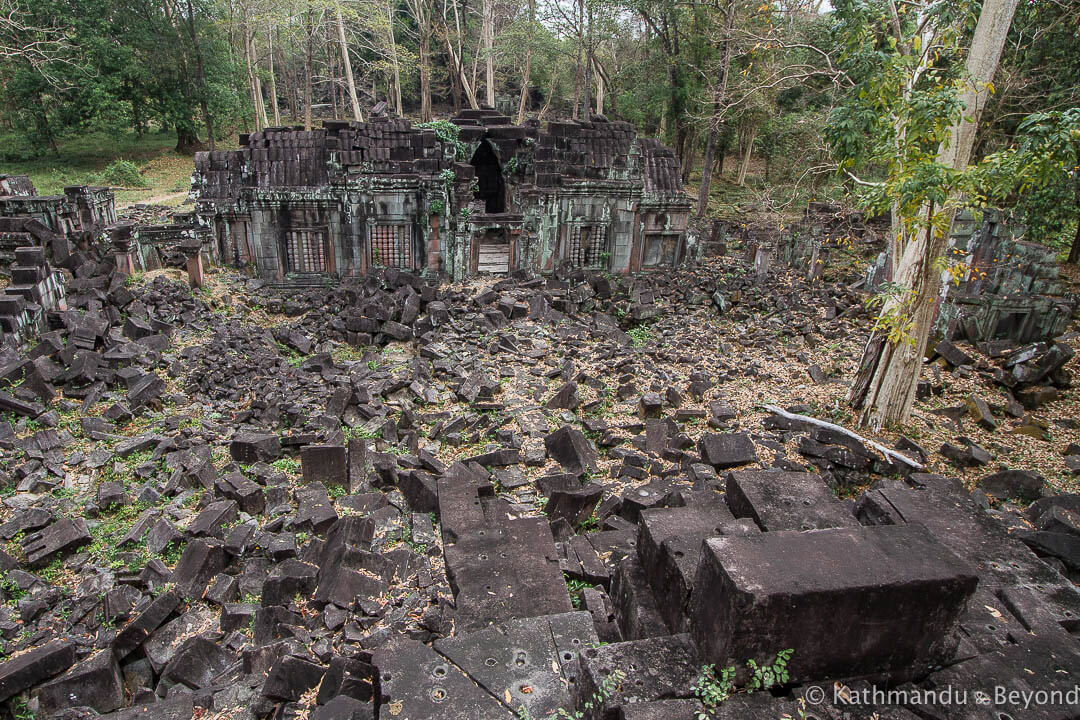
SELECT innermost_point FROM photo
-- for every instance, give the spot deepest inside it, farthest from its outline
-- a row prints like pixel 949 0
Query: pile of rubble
pixel 391 499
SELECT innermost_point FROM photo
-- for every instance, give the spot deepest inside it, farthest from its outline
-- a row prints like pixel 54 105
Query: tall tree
pixel 923 185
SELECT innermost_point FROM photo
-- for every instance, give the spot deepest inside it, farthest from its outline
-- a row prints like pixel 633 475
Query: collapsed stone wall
pixel 1000 286
pixel 35 290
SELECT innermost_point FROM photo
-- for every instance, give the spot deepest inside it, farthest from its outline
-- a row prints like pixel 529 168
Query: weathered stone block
pixel 728 450
pixel 95 683
pixel 61 537
pixel 850 601
pixel 778 500
pixel 35 666
pixel 328 464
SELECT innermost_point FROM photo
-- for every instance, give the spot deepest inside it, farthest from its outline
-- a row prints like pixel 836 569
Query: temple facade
pixel 458 198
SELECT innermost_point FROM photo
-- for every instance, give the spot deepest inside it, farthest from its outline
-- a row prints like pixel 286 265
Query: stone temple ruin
pixel 501 506
pixel 299 207
pixel 1008 288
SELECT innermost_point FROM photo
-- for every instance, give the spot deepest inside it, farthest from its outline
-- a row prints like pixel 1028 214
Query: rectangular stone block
pixel 786 501
pixel 653 669
pixel 881 602
pixel 328 464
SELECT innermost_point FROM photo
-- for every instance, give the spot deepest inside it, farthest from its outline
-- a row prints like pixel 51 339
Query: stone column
pixel 121 238
pixel 192 248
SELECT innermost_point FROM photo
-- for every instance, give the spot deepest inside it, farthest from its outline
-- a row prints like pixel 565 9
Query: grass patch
pixel 98 158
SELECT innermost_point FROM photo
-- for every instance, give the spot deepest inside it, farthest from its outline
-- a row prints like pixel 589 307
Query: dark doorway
pixel 491 188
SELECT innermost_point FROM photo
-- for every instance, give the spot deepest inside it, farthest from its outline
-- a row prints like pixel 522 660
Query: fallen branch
pixel 889 454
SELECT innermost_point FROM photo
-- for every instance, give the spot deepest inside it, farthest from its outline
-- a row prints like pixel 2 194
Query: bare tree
pixel 884 388
pixel 357 115
pixel 43 47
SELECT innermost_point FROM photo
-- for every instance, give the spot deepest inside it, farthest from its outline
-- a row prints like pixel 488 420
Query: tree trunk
pixel 425 74
pixel 719 98
pixel 308 62
pixel 689 156
pixel 273 80
pixel 550 95
pixel 525 75
pixel 455 89
pixel 200 76
pixel 459 67
pixel 249 61
pixel 1074 252
pixel 394 59
pixel 586 100
pixel 357 115
pixel 337 94
pixel 884 387
pixel 577 87
pixel 187 142
pixel 599 90
pixel 488 33
pixel 748 149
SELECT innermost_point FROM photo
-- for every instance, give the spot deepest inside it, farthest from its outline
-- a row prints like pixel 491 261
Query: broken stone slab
pixel 255 447
pixel 422 685
pixel 180 708
pixel 979 411
pixel 1013 484
pixel 728 450
pixel 653 669
pixel 636 608
pixel 138 630
pixel 201 561
pixel 95 682
pixel 213 520
pixel 326 464
pixel 315 510
pixel 34 667
pixel 246 492
pixel 521 554
pixel 196 663
pixel 344 707
pixel 971 455
pixel 26 521
pixel 565 398
pixel 535 659
pixel 145 390
pixel 571 449
pixel 952 354
pixel 878 601
pixel 778 500
pixel 669 545
pixel 291 677
pixel 63 536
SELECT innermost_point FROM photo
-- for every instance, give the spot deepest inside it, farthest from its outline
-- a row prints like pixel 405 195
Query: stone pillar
pixel 192 248
pixel 120 237
pixel 434 244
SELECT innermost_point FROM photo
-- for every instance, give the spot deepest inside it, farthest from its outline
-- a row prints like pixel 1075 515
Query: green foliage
pixel 20 709
pixel 287 465
pixel 447 132
pixel 574 587
pixel 1040 173
pixel 122 173
pixel 763 677
pixel 640 335
pixel 608 685
pixel 712 688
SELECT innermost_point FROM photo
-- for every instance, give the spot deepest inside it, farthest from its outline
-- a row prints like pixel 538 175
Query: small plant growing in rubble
pixel 640 335
pixel 713 688
pixel 607 686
